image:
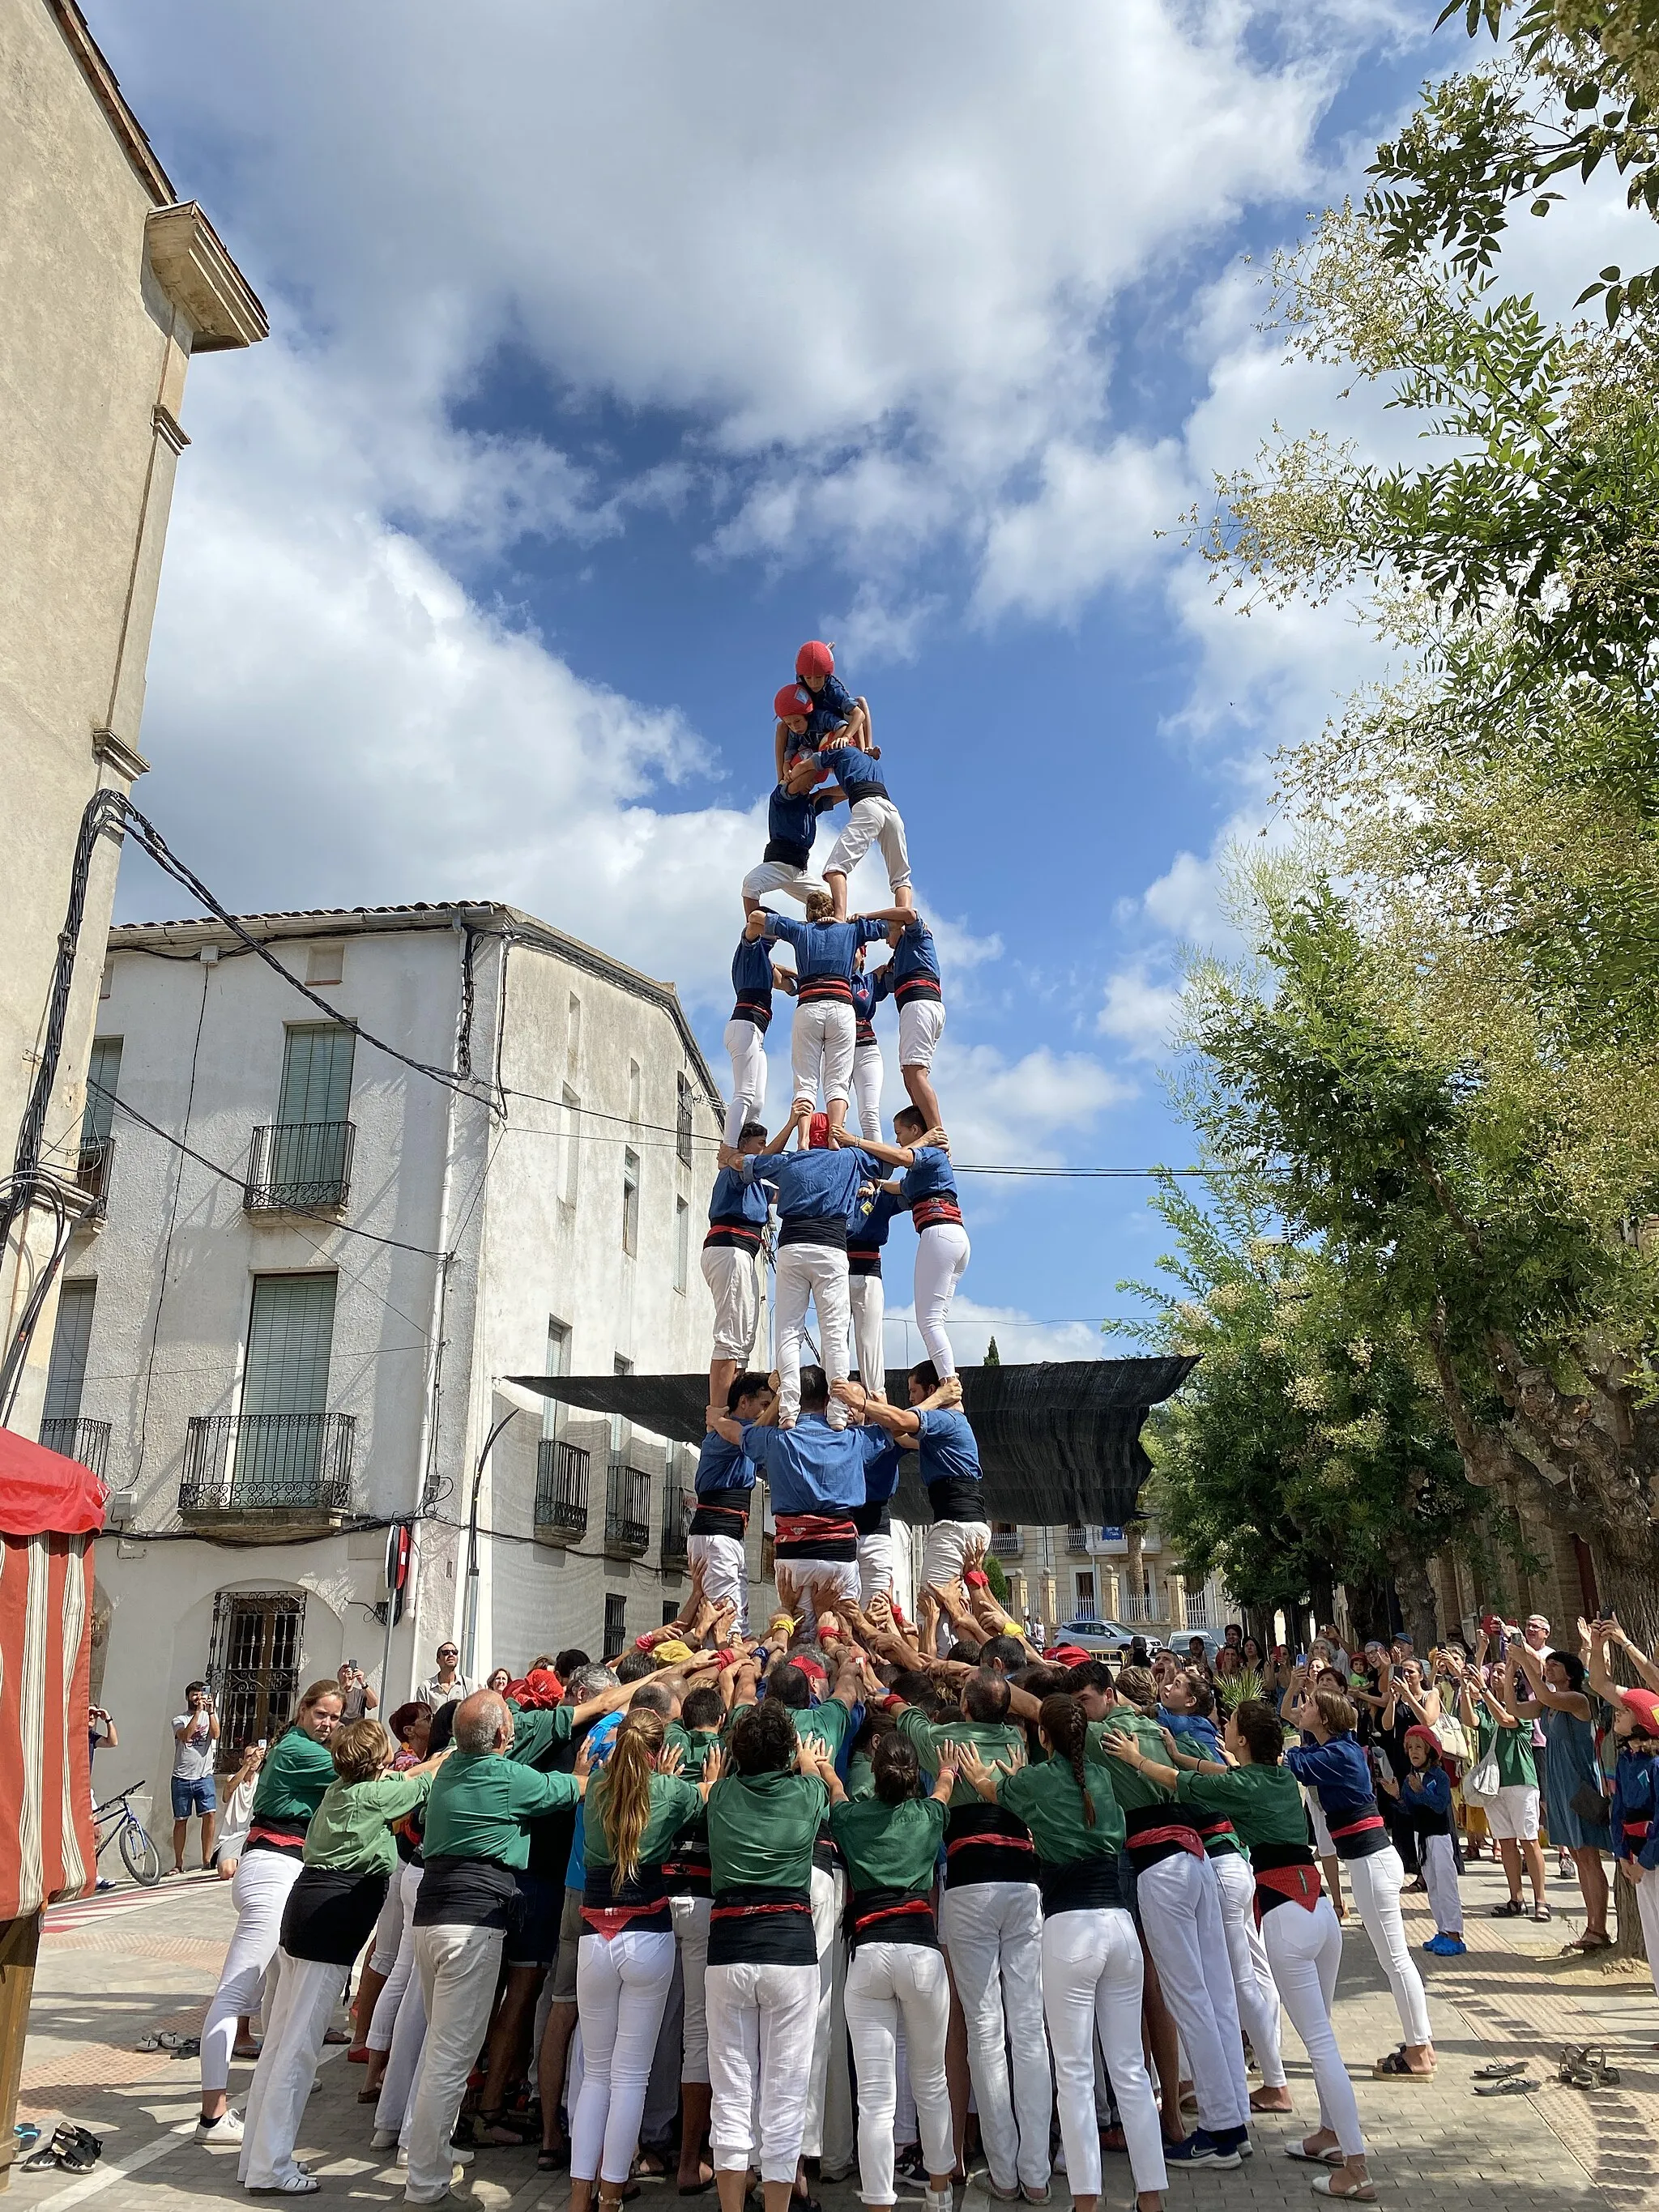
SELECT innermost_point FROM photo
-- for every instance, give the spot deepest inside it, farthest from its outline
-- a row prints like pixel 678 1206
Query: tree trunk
pixel 1415 1589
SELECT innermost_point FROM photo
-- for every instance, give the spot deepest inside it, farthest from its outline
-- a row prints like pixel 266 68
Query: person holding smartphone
pixel 358 1701
pixel 195 1749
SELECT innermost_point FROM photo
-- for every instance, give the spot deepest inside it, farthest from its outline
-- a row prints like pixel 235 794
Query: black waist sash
pixel 983 1843
pixel 792 855
pixel 752 1926
pixel 890 1916
pixel 1083 1885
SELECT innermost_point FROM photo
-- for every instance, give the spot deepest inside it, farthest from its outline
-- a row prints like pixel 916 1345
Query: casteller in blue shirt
pixel 737 1207
pixel 912 972
pixel 868 1234
pixel 881 1474
pixel 753 981
pixel 949 1464
pixel 857 774
pixel 1340 1775
pixel 824 953
pixel 791 823
pixel 928 1187
pixel 832 707
pixel 818 1191
pixel 813 1468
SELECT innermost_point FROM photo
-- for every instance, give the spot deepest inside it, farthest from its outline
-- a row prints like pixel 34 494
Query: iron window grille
pixel 92 1173
pixel 253 1667
pixel 616 1626
pixel 627 1509
pixel 676 1521
pixel 253 1462
pixel 85 1441
pixel 299 1164
pixel 561 1487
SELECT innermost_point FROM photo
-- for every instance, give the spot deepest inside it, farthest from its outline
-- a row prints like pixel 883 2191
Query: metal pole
pixel 470 1635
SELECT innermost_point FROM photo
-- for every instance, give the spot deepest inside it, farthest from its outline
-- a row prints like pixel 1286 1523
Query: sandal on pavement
pixel 1324 2185
pixel 1500 2069
pixel 490 2131
pixel 1542 1912
pixel 1396 2068
pixel 1510 1909
pixel 1305 2157
pixel 297 2183
pixel 554 2159
pixel 1517 2085
pixel 1591 1940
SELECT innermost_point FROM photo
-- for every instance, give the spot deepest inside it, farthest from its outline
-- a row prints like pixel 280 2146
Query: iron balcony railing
pixel 676 1541
pixel 1143 1609
pixel 86 1441
pixel 1076 1537
pixel 561 1491
pixel 268 1462
pixel 627 1509
pixel 299 1164
pixel 92 1174
pixel 1007 1543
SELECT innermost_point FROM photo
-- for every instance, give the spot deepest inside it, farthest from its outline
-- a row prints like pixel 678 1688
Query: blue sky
pixel 616 350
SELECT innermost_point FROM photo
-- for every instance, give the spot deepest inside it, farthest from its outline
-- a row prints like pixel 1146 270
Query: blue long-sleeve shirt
pixel 818 1191
pixel 1340 1775
pixel 864 1005
pixel 752 981
pixel 1635 1816
pixel 867 1233
pixel 824 953
pixel 857 774
pixel 721 1465
pixel 1201 1732
pixel 792 822
pixel 832 703
pixel 1425 1795
pixel 737 1207
pixel 928 1187
pixel 813 1468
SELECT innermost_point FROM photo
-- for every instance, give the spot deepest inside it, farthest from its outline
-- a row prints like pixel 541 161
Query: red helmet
pixel 790 701
pixel 1644 1704
pixel 817 1132
pixel 815 658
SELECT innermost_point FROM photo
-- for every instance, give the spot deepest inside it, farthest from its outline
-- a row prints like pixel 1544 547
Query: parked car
pixel 1111 1639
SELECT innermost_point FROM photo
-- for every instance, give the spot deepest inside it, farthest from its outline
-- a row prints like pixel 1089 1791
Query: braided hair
pixel 1066 1724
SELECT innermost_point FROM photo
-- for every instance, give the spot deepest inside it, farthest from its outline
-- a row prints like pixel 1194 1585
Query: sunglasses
pixel 448 1654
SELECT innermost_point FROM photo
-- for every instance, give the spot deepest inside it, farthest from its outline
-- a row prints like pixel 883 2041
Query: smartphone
pixel 1301 1658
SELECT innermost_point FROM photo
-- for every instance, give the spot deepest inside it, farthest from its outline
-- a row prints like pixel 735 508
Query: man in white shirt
pixel 448 1683
pixel 195 1747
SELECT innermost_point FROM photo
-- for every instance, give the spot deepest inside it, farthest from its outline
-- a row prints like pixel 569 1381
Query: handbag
pixel 1590 1807
pixel 1482 1780
pixel 1449 1736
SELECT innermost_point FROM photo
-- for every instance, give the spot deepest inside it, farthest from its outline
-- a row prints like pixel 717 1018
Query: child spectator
pixel 1425 1797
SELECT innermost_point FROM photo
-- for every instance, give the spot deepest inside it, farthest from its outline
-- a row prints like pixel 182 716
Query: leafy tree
pixel 1304 1450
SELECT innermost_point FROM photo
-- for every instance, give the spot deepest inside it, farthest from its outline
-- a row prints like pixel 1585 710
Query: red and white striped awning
pixel 50 1509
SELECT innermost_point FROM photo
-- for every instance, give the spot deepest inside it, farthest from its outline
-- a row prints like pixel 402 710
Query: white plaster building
pixel 1074 1572
pixel 113 286
pixel 270 1364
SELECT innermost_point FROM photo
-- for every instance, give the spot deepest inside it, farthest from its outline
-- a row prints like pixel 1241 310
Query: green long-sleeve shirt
pixel 1134 1790
pixel 889 1846
pixel 676 1806
pixel 1264 1803
pixel 994 1741
pixel 761 1828
pixel 1047 1798
pixel 351 1828
pixel 479 1802
pixel 295 1778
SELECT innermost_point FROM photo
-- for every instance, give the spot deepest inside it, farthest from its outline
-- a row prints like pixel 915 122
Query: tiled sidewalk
pixel 114 1974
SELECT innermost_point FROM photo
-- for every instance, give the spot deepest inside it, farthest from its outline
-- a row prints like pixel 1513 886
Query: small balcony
pixel 561 1492
pixel 626 1511
pixel 85 1441
pixel 1142 1612
pixel 92 1174
pixel 676 1521
pixel 300 1166
pixel 1077 1539
pixel 249 1475
pixel 1008 1543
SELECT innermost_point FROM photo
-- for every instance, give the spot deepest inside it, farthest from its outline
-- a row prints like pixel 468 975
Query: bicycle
pixel 138 1853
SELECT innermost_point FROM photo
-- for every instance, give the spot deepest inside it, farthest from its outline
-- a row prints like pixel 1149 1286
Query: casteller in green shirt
pixel 296 1775
pixel 1047 1798
pixel 351 1829
pixel 996 1741
pixel 1264 1803
pixel 676 1806
pixel 1134 1790
pixel 479 1802
pixel 891 1847
pixel 761 1828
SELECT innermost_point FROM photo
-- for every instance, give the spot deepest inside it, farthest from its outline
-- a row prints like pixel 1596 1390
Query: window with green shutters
pixel 309 1158
pixel 103 1080
pixel 282 1433
pixel 68 1370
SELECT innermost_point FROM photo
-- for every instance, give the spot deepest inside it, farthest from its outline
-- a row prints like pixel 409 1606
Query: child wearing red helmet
pixel 829 708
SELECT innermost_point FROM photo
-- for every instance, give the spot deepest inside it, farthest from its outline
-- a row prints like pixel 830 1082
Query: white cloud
pixel 1094 520
pixel 1140 1012
pixel 1019 1338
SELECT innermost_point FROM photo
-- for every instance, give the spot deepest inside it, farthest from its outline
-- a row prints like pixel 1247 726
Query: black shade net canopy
pixel 1059 1440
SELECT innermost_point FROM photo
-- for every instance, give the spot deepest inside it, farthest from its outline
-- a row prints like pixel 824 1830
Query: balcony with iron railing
pixel 1145 1610
pixel 676 1521
pixel 1007 1543
pixel 248 1474
pixel 1077 1538
pixel 300 1165
pixel 560 1491
pixel 92 1175
pixel 85 1441
pixel 626 1511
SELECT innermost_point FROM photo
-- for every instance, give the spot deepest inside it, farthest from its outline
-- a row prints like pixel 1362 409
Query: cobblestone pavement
pixel 134 1961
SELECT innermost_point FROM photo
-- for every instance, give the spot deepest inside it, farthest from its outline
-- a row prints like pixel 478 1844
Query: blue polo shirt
pixel 832 703
pixel 868 1233
pixel 752 982
pixel 950 1465
pixel 792 822
pixel 912 972
pixel 859 774
pixel 813 1468
pixel 824 953
pixel 817 1192
pixel 737 1207
pixel 928 1187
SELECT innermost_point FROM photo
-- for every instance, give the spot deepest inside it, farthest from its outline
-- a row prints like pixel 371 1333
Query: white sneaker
pixel 383 2139
pixel 227 2128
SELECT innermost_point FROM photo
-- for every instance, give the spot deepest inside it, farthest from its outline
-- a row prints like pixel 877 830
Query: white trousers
pixel 621 1985
pixel 993 1932
pixel 922 1024
pixel 821 1050
pixel 746 1043
pixel 724 1572
pixel 944 1555
pixel 942 1253
pixel 406 1882
pixel 760 2027
pixel 872 821
pixel 1304 1950
pixel 780 876
pixel 866 1089
pixel 828 2134
pixel 1092 1983
pixel 867 1299
pixel 1253 1980
pixel 692 1933
pixel 1374 1882
pixel 1181 1912
pixel 734 1285
pixel 258 1890
pixel 1647 1912
pixel 389 1927
pixel 893 1989
pixel 875 1573
pixel 458 1967
pixel 1440 1873
pixel 795 1578
pixel 305 1997
pixel 396 2108
pixel 817 1272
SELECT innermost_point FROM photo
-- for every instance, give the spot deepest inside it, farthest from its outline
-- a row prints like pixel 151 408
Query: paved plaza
pixel 113 1968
